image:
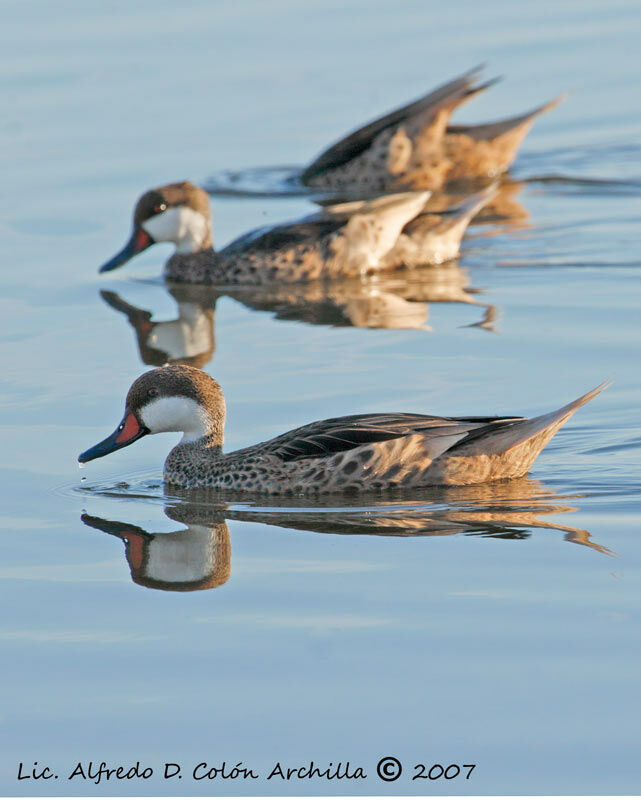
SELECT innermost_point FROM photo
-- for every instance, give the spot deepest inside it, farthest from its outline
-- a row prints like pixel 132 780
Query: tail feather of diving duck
pixel 489 148
pixel 492 130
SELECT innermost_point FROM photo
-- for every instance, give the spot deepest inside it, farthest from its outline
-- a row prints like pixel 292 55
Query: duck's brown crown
pixel 181 193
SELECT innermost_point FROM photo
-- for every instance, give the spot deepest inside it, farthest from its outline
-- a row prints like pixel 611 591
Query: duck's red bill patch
pixel 143 240
pixel 130 429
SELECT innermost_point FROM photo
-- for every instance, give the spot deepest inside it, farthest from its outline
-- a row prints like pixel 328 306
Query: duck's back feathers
pixel 281 237
pixel 340 434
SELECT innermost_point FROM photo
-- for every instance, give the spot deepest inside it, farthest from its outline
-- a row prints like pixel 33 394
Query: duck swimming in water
pixel 354 453
pixel 344 240
pixel 415 147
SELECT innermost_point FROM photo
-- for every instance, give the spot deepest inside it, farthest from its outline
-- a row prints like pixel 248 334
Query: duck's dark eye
pixel 152 393
pixel 159 208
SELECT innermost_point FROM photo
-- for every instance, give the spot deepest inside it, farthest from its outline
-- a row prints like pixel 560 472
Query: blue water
pixel 497 625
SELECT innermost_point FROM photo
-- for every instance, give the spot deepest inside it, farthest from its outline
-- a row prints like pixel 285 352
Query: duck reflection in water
pixel 398 300
pixel 502 209
pixel 188 339
pixel 187 560
pixel 199 556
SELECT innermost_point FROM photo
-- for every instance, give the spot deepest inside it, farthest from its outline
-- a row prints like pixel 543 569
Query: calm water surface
pixel 498 625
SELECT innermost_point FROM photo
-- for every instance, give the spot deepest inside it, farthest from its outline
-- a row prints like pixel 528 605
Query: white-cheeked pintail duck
pixel 355 453
pixel 343 240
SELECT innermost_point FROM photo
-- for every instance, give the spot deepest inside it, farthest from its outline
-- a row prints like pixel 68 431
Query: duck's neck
pixel 189 463
pixel 199 267
pixel 211 442
pixel 195 241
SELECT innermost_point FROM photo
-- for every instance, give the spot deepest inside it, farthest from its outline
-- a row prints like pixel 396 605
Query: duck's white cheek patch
pixel 184 226
pixel 175 414
pixel 163 227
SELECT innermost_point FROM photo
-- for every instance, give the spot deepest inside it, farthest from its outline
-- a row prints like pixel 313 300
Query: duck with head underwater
pixel 340 241
pixel 416 147
pixel 354 453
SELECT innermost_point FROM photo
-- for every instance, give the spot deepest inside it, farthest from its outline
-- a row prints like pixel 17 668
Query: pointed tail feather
pixel 492 130
pixel 569 409
pixel 490 440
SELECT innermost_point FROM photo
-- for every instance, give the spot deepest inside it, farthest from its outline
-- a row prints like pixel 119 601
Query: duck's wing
pixel 268 240
pixel 340 434
pixel 344 150
pixel 466 435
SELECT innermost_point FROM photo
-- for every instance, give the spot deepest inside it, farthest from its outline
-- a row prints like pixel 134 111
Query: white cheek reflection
pixel 183 226
pixel 188 336
pixel 182 556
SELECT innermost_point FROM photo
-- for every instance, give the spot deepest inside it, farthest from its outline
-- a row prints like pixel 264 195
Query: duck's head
pixel 177 212
pixel 171 398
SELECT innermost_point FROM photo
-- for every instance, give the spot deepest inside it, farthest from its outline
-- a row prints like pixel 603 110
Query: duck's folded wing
pixel 340 434
pixel 358 141
pixel 268 240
